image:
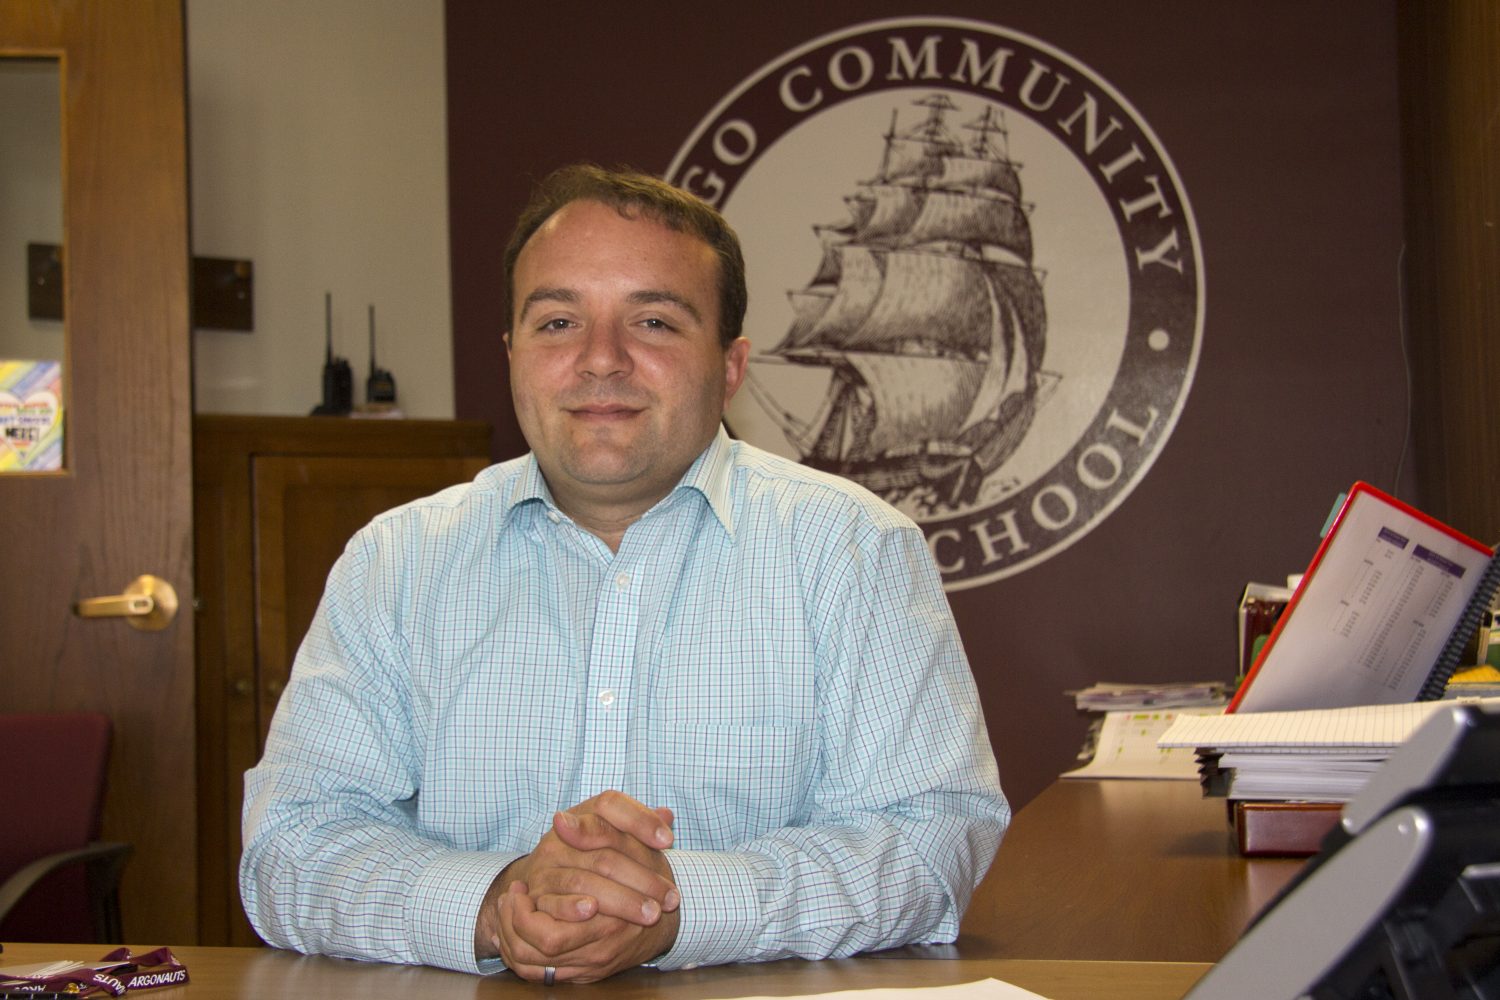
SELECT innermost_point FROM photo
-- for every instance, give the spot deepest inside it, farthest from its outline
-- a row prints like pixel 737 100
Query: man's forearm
pixel 820 892
pixel 358 885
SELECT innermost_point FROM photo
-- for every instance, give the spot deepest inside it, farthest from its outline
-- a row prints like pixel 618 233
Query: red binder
pixel 1385 604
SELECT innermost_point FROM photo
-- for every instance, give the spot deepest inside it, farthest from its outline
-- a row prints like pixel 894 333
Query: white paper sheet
pixel 1127 747
pixel 984 989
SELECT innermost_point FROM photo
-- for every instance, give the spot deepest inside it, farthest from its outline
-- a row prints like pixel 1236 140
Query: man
pixel 645 695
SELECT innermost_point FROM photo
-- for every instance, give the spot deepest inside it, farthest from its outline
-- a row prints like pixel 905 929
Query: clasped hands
pixel 596 895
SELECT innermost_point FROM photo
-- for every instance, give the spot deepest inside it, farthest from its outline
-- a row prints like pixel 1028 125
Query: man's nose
pixel 605 350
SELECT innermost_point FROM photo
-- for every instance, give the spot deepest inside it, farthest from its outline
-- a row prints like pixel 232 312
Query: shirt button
pixel 607 697
pixel 554 516
pixel 622 581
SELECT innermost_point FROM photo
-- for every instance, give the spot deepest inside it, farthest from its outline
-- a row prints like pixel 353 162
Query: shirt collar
pixel 529 487
pixel 710 474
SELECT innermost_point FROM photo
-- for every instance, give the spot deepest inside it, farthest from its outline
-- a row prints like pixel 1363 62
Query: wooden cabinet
pixel 274 501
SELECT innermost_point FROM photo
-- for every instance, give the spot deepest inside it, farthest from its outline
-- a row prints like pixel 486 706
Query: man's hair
pixel 634 194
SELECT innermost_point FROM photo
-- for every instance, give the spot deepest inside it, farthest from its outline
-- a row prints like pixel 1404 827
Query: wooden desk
pixel 1118 870
pixel 1115 890
pixel 265 974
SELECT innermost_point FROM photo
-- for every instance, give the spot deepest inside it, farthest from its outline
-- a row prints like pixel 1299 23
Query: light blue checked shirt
pixel 769 654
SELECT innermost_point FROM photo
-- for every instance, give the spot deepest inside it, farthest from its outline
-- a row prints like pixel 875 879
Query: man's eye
pixel 556 324
pixel 656 323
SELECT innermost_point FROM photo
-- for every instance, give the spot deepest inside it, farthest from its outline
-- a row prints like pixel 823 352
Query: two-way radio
pixel 338 377
pixel 380 387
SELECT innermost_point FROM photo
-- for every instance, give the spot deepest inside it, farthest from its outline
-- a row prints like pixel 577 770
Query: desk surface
pixel 1117 870
pixel 263 974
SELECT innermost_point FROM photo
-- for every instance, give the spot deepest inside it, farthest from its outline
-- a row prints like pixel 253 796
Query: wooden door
pixel 122 507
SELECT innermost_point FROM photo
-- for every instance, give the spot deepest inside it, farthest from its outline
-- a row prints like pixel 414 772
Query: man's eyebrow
pixel 650 296
pixel 545 294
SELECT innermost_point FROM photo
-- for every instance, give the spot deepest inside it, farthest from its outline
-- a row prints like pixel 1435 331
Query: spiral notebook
pixel 1381 615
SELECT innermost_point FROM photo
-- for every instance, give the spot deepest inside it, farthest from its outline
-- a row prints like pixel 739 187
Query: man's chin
pixel 604 477
pixel 602 470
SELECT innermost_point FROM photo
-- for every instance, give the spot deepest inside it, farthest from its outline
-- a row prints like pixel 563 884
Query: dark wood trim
pixel 1450 85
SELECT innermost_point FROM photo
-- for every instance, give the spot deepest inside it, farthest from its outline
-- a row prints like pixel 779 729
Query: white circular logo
pixel 975 280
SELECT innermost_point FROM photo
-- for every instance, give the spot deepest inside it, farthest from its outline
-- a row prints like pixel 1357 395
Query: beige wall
pixel 319 152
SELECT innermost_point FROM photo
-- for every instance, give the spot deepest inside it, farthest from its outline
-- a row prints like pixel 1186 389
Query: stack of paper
pixel 1318 755
pixel 1111 697
pixel 1331 777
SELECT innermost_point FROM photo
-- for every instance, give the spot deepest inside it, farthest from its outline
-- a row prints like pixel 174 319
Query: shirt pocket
pixel 730 784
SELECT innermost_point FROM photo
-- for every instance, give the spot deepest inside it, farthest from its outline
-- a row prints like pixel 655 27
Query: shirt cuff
pixel 444 906
pixel 720 919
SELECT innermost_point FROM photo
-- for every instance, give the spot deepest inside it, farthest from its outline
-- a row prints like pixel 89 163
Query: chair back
pixel 53 770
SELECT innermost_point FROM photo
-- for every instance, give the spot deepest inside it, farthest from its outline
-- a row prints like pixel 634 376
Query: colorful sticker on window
pixel 31 416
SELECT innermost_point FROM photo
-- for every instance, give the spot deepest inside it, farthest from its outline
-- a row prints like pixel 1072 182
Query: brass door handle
pixel 149 604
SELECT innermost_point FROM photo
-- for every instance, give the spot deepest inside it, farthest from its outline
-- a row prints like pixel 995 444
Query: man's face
pixel 617 372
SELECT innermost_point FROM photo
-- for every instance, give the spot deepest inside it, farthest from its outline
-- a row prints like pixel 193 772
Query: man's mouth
pixel 604 411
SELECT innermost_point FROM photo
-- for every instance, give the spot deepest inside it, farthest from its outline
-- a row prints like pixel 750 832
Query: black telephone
pixel 1403 901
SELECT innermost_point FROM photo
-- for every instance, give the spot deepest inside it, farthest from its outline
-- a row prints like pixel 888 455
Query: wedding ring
pixel 549 975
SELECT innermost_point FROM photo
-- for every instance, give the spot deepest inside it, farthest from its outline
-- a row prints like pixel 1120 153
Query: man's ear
pixel 736 357
pixel 506 337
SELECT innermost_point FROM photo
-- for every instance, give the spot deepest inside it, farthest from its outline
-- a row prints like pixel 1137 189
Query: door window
pixel 33 342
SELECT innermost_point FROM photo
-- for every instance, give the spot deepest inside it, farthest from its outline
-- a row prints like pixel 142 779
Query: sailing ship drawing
pixel 928 311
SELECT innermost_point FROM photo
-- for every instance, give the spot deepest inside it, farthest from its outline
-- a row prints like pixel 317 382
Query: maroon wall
pixel 1281 119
